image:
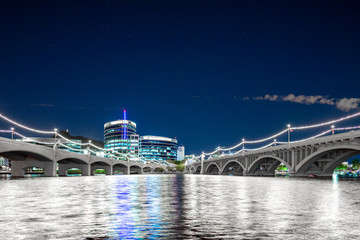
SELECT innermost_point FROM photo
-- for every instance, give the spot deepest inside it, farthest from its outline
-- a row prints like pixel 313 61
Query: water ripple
pixel 178 207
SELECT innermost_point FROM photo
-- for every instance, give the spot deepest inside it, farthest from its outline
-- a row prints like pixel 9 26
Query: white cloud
pixel 347 104
pixel 271 98
pixel 343 104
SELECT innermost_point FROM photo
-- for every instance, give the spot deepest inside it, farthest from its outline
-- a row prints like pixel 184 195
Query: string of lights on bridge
pixel 112 153
pixel 109 153
pixel 288 130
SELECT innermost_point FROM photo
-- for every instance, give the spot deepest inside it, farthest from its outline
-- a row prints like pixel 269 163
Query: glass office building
pixel 121 136
pixel 158 149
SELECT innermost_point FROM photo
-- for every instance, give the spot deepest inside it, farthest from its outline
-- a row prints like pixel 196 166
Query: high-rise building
pixel 121 136
pixel 155 148
pixel 180 153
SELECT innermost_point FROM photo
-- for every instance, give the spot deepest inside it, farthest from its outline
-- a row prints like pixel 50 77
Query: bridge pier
pixel 85 170
pixel 109 170
pixel 17 170
pixel 62 169
pixel 49 169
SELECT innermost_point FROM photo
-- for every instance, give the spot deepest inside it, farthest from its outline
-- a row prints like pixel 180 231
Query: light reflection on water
pixel 178 207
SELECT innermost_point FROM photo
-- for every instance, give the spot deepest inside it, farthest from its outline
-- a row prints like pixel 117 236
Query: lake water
pixel 179 207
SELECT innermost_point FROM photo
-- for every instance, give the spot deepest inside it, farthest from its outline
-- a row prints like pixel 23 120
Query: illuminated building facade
pixel 155 148
pixel 4 162
pixel 180 153
pixel 121 136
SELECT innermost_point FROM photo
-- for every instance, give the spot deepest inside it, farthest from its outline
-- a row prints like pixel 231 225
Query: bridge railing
pixel 221 152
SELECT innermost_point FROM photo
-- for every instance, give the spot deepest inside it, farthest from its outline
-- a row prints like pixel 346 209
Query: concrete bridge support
pixel 18 167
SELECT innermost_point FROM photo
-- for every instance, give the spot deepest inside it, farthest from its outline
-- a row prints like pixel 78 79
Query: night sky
pixel 196 70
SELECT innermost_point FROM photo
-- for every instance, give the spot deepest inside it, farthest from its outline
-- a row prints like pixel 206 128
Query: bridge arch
pixel 135 169
pixel 120 168
pixel 65 164
pixel 147 169
pixel 99 164
pixel 212 169
pixel 270 163
pixel 21 155
pixel 72 160
pixel 233 167
pixel 325 160
pixel 198 169
pixel 22 159
pixel 159 169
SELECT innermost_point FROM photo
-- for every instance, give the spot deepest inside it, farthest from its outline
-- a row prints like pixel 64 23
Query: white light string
pixel 36 141
pixel 27 139
pixel 231 148
pixel 68 140
pixel 254 149
pixel 219 149
pixel 285 130
pixel 240 151
pixel 284 143
pixel 27 128
pixel 327 123
pixel 347 128
pixel 6 131
pixel 73 149
pixel 313 137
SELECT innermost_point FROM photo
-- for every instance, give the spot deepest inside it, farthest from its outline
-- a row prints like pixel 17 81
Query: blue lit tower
pixel 120 135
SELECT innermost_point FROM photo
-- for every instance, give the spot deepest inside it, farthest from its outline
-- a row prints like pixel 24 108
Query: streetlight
pixel 332 129
pixel 55 129
pixel 12 133
pixel 289 129
pixel 89 147
pixel 202 162
pixel 274 142
pixel 243 148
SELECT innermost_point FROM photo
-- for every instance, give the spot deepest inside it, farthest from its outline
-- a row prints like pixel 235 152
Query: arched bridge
pixel 318 156
pixel 26 155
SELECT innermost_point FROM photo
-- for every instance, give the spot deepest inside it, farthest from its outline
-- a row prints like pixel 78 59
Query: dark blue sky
pixel 180 68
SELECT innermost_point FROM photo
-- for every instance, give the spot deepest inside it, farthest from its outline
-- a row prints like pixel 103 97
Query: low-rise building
pixel 158 149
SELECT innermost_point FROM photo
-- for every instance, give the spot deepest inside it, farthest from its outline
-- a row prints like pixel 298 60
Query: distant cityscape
pixel 120 136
